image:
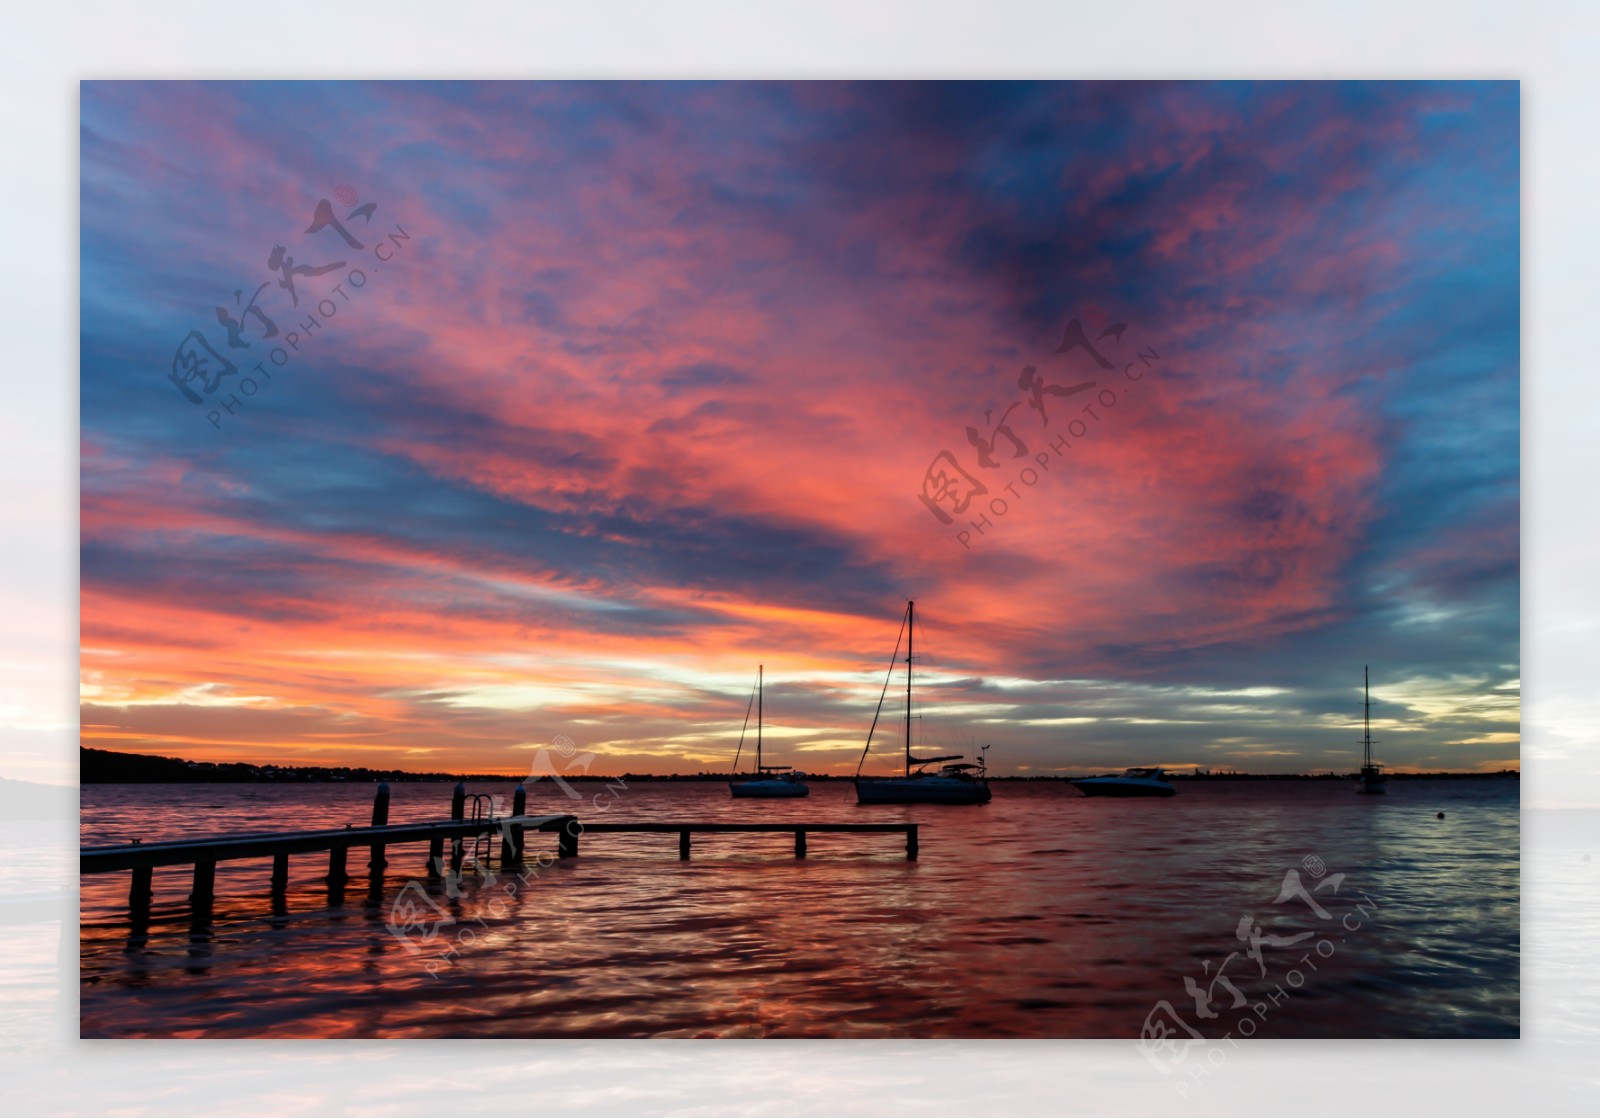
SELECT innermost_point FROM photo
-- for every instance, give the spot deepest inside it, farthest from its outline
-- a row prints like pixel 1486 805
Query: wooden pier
pixel 684 830
pixel 204 854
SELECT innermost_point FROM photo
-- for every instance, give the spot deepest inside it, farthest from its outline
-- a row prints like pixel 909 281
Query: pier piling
pixel 511 837
pixel 337 876
pixel 799 844
pixel 569 839
pixel 458 813
pixel 683 844
pixel 280 872
pixel 140 890
pixel 380 818
pixel 205 884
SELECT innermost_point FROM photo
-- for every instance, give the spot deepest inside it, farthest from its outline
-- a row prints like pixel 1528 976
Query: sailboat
pixel 958 783
pixel 1372 777
pixel 770 780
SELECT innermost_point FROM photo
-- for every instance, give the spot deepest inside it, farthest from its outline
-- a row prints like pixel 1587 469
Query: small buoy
pixel 1441 815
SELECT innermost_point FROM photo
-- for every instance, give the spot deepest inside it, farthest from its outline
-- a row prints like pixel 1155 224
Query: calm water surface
pixel 1041 914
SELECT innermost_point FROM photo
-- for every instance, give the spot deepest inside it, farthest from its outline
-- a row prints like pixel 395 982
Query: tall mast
pixel 759 699
pixel 1366 738
pixel 911 607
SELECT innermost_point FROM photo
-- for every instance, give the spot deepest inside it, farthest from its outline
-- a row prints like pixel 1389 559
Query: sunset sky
pixel 631 387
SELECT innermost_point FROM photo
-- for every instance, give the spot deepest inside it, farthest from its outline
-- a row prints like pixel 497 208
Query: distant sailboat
pixel 961 783
pixel 770 780
pixel 1372 778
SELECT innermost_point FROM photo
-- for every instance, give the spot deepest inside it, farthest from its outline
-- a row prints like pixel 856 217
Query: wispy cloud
pixel 650 395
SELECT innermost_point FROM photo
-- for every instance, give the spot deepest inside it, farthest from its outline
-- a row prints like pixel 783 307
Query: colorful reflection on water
pixel 1041 914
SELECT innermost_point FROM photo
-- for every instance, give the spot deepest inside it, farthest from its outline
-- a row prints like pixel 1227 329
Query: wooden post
pixel 683 844
pixel 336 866
pixel 205 879
pixel 380 817
pixel 569 839
pixel 458 812
pixel 799 844
pixel 911 842
pixel 435 856
pixel 140 890
pixel 511 838
pixel 280 872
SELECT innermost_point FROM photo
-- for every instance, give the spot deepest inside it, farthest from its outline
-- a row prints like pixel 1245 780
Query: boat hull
pixel 1121 787
pixel 926 791
pixel 769 789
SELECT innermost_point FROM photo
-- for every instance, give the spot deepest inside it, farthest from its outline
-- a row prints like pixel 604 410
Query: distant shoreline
pixel 110 767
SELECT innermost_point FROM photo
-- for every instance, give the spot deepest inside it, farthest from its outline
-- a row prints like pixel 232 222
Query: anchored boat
pixel 769 780
pixel 954 782
pixel 1143 782
pixel 1371 779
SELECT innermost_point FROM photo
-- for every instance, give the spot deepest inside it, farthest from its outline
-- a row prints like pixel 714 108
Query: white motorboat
pixel 1146 781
